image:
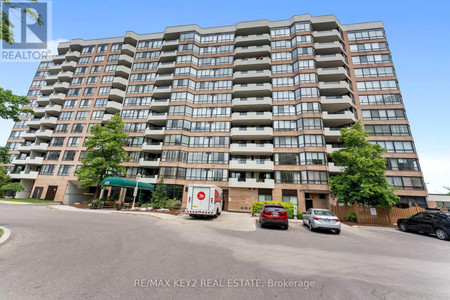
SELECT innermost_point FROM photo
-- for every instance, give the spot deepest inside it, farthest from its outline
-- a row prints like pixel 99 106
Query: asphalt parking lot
pixel 55 254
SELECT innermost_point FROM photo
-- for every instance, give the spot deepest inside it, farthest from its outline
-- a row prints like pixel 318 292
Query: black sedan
pixel 428 222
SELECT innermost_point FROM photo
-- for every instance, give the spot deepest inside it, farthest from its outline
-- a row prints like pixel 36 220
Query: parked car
pixel 321 218
pixel 274 214
pixel 428 222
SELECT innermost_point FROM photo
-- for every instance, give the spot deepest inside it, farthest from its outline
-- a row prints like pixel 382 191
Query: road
pixel 56 254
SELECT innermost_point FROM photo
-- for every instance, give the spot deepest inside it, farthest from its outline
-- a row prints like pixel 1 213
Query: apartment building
pixel 255 108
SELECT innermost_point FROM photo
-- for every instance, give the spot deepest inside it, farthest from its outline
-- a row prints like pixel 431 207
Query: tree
pixel 4 155
pixel 159 197
pixel 448 189
pixel 105 153
pixel 6 26
pixel 10 105
pixel 363 179
pixel 13 187
pixel 4 179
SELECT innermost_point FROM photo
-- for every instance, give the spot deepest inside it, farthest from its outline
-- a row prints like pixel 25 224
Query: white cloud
pixel 436 171
pixel 52 45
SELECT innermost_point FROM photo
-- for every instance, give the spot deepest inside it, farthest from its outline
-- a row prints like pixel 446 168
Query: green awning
pixel 123 182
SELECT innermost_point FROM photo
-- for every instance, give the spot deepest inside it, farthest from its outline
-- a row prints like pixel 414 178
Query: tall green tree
pixel 4 179
pixel 363 179
pixel 105 153
pixel 11 105
pixel 159 197
pixel 4 155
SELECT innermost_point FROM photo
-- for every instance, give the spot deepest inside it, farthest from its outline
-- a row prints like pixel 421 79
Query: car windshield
pixel 323 213
pixel 273 208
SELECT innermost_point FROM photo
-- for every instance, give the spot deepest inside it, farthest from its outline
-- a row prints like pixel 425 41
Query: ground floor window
pixel 264 195
pixel 290 196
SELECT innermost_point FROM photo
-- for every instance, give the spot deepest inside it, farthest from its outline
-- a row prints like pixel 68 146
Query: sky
pixel 418 35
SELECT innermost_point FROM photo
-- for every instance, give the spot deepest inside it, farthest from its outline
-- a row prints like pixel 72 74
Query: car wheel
pixel 403 227
pixel 262 225
pixel 337 231
pixel 216 214
pixel 286 227
pixel 441 234
pixel 311 226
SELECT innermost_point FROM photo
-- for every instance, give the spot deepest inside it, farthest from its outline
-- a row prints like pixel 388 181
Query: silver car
pixel 321 218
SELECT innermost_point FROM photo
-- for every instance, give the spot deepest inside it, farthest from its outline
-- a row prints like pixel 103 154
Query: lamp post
pixel 138 176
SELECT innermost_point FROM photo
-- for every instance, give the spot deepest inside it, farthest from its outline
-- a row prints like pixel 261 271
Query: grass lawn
pixel 27 200
pixel 1 232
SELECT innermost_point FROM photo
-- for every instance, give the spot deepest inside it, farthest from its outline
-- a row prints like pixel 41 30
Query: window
pixel 314 177
pixel 368 47
pixel 101 102
pixel 371 59
pixel 110 68
pixel 73 141
pixel 99 59
pixel 375 72
pixel 134 127
pixel 84 60
pixel 65 115
pixel 69 155
pixel 116 47
pixel 380 99
pixel 77 81
pixel 97 115
pixel 113 57
pixel 377 85
pixel 140 89
pixel 81 115
pixel 289 196
pixel 57 141
pixel 286 159
pixel 313 158
pixel 89 91
pixel 64 170
pixel 73 92
pixel 406 183
pixel 104 90
pixel 92 80
pixel 61 128
pixel 402 164
pixel 96 69
pixel 142 77
pixel 384 114
pixel 137 101
pixel 87 50
pixel 48 169
pixel 77 128
pixel 311 140
pixel 285 142
pixel 108 79
pixel 52 155
pixel 397 146
pixel 85 103
pixel 80 70
pixel 394 130
pixel 365 34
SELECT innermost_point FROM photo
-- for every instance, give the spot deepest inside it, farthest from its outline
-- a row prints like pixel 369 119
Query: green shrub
pixel 351 216
pixel 299 215
pixel 288 206
pixel 119 205
pixel 96 204
pixel 173 204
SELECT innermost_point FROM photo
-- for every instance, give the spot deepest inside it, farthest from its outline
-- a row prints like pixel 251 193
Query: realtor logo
pixel 28 31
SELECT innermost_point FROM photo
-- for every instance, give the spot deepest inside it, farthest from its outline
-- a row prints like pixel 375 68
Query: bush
pixel 351 216
pixel 173 204
pixel 288 206
pixel 95 204
pixel 119 205
pixel 299 215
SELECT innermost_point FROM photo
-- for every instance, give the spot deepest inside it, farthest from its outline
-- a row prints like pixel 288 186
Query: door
pixel 51 192
pixel 37 192
pixel 200 198
pixel 308 204
pixel 415 222
pixel 428 221
pixel 225 200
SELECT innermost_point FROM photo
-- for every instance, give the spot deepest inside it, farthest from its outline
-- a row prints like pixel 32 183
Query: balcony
pixel 39 111
pixel 53 109
pixel 55 69
pixel 44 134
pixel 251 118
pixel 162 91
pixel 164 79
pixel 252 165
pixel 125 60
pixel 113 107
pixel 332 88
pixel 253 103
pixel 251 183
pixel 165 67
pixel 333 169
pixel 154 132
pixel 168 55
pixel 157 118
pixel 338 119
pixel 128 49
pixel 58 59
pixel 22 175
pixel 152 179
pixel 252 89
pixel 332 74
pixel 116 95
pixel 329 47
pixel 335 103
pixel 120 83
pixel 51 78
pixel 160 105
pixel 252 133
pixel 327 36
pixel 152 147
pixel 332 134
pixel 41 147
pixel 106 118
pixel 252 64
pixel 330 60
pixel 251 148
pixel 57 98
pixel 69 65
pixel 47 89
pixel 49 121
pixel 331 148
pixel 73 55
pixel 170 44
pixel 122 71
pixel 65 76
pixel 61 86
pixel 252 76
pixel 35 161
pixel 34 123
pixel 260 50
pixel 149 163
pixel 29 135
pixel 43 100
pixel 252 40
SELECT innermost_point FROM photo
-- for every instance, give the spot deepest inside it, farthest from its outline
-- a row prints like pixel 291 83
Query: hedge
pixel 288 206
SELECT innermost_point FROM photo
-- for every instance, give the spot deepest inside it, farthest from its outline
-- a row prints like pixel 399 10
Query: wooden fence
pixel 374 215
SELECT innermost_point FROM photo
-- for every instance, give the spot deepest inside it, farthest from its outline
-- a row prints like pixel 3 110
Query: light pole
pixel 138 176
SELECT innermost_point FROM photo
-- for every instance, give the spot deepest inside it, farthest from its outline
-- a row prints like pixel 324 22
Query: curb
pixel 6 235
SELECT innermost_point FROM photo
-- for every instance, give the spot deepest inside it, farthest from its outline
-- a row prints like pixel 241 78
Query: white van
pixel 204 200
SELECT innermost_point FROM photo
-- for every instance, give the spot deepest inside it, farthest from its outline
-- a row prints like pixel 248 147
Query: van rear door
pixel 200 198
